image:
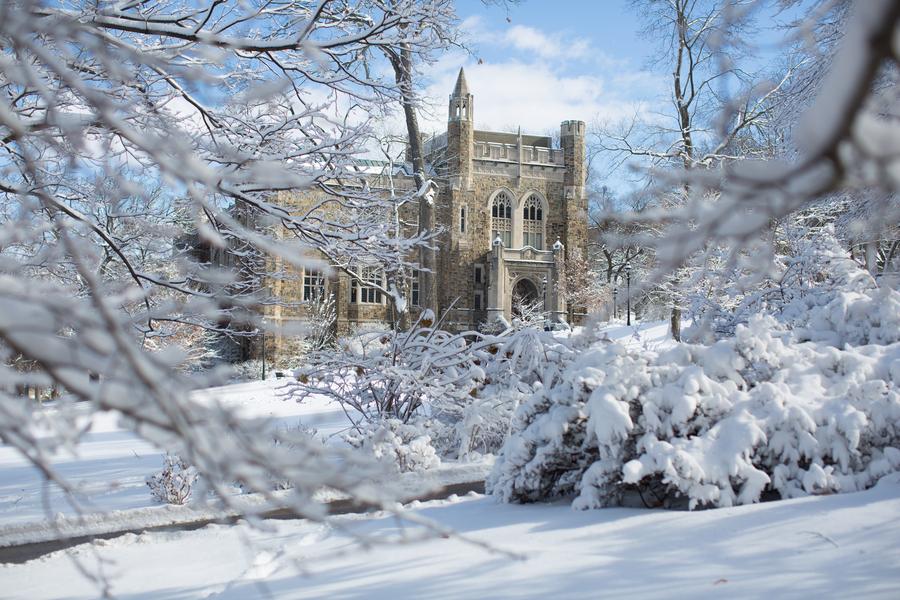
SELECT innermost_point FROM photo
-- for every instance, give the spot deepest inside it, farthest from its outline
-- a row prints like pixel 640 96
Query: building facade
pixel 512 208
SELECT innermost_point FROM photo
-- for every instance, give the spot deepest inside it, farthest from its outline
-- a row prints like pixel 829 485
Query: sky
pixel 541 62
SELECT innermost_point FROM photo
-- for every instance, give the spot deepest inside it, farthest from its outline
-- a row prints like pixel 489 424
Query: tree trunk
pixel 871 258
pixel 687 142
pixel 402 65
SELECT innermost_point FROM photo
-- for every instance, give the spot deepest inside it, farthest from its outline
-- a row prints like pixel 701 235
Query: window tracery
pixel 533 223
pixel 501 218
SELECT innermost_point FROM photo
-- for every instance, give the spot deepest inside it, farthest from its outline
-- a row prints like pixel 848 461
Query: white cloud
pixel 557 45
pixel 536 79
pixel 533 95
pixel 530 39
pixel 472 26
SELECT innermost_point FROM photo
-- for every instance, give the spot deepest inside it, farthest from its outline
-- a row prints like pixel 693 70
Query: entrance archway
pixel 524 297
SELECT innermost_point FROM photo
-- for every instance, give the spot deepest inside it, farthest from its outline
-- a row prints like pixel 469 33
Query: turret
pixel 460 134
pixel 461 104
pixel 571 137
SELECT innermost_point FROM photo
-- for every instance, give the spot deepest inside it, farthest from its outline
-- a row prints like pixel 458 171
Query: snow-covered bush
pixel 718 424
pixel 462 388
pixel 528 313
pixel 389 374
pixel 174 484
pixel 810 268
pixel 512 373
pixel 291 437
pixel 247 370
pixel 403 446
pixel 322 317
pixel 495 327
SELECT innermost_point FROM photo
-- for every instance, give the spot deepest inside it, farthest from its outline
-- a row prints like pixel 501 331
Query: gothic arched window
pixel 501 218
pixel 533 223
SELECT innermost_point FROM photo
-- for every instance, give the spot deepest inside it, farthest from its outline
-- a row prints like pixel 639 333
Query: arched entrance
pixel 524 297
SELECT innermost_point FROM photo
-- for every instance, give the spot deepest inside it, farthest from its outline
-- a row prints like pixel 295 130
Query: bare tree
pixel 873 241
pixel 845 142
pixel 707 126
pixel 230 108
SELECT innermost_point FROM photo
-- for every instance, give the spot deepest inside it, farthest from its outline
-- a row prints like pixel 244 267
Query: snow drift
pixel 809 404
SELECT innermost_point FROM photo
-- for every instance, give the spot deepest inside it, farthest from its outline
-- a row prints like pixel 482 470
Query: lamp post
pixel 615 302
pixel 628 299
pixel 544 314
pixel 263 332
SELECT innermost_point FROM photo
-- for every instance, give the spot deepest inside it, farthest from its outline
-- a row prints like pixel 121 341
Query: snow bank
pixel 809 410
pixel 410 486
pixel 838 546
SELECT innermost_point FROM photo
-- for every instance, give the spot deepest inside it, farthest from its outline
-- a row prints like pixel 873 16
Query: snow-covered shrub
pixel 290 437
pixel 388 374
pixel 403 446
pixel 856 318
pixel 717 424
pixel 198 347
pixel 528 313
pixel 174 484
pixel 248 370
pixel 462 387
pixel 322 316
pixel 809 268
pixel 495 327
pixel 510 369
pixel 511 374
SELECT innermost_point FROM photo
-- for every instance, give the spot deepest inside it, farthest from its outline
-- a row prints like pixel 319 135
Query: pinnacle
pixel 462 88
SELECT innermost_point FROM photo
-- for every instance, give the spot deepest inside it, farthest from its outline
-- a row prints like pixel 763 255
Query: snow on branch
pixel 845 142
pixel 141 141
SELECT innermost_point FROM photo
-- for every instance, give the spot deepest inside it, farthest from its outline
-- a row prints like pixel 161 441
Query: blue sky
pixel 610 25
pixel 550 61
pixel 545 61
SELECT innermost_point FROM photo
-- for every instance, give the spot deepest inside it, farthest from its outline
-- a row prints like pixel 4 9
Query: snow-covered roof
pixel 371 166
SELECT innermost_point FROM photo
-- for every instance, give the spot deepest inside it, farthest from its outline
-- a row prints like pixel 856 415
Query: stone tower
pixel 572 141
pixel 455 203
pixel 460 130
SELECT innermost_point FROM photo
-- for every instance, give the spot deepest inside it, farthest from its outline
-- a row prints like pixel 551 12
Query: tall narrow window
pixel 371 293
pixel 313 285
pixel 462 219
pixel 479 300
pixel 367 291
pixel 501 219
pixel 533 223
pixel 414 289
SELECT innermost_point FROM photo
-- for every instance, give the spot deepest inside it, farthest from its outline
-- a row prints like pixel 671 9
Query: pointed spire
pixel 462 88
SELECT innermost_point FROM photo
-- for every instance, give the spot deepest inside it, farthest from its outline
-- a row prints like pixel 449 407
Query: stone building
pixel 513 208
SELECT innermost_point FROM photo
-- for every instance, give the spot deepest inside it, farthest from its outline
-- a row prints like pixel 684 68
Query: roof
pixel 369 166
pixel 499 137
pixel 461 88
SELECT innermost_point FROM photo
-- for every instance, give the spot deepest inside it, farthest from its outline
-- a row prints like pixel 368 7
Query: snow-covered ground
pixel 838 546
pixel 832 546
pixel 112 464
pixel 652 335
